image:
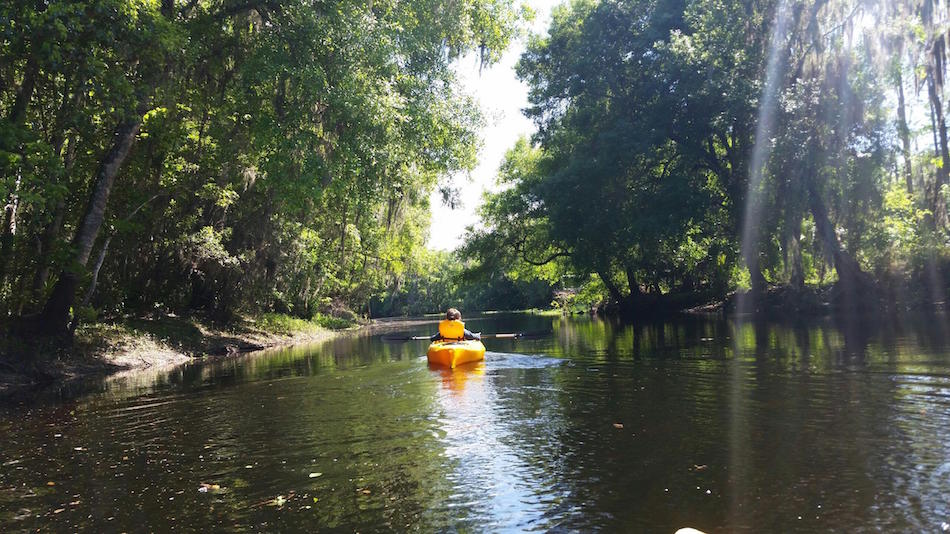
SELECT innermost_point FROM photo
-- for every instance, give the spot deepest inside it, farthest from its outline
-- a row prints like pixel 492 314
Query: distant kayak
pixel 453 353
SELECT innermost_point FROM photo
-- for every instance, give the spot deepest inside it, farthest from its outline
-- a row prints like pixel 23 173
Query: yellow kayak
pixel 453 353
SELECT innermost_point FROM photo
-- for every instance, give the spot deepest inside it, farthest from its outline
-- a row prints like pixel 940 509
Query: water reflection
pixel 454 379
pixel 721 425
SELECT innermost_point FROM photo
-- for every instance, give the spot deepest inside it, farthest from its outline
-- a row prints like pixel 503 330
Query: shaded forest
pixel 222 157
pixel 795 151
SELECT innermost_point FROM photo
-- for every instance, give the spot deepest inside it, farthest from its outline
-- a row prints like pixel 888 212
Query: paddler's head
pixel 453 315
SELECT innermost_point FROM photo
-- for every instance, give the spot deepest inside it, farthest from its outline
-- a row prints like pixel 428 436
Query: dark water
pixel 695 422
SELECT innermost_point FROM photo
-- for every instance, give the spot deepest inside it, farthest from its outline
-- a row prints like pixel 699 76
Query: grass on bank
pixel 194 337
pixel 100 348
pixel 278 323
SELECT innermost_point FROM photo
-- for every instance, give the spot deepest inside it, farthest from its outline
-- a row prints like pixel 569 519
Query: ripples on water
pixel 695 422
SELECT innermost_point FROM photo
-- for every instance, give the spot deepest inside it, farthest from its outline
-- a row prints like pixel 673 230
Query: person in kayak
pixel 453 329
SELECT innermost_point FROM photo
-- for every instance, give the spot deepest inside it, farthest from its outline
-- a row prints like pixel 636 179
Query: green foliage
pixel 895 240
pixel 648 115
pixel 285 153
pixel 333 323
pixel 607 192
pixel 284 158
pixel 281 324
pixel 434 281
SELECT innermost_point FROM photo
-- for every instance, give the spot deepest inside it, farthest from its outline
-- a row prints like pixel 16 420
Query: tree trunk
pixel 933 127
pixel 904 132
pixel 625 302
pixel 612 288
pixel 737 183
pixel 756 278
pixel 25 93
pixel 16 117
pixel 793 249
pixel 55 316
pixel 45 251
pixel 939 208
pixel 95 272
pixel 53 228
pixel 850 275
pixel 630 272
pixel 8 231
pixel 102 255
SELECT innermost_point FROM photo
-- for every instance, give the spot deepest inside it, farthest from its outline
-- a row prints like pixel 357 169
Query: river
pixel 713 423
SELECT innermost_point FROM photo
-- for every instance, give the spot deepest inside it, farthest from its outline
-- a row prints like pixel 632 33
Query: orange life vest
pixel 452 329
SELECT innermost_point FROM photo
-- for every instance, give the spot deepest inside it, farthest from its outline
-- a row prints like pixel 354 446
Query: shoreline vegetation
pixel 222 160
pixel 132 344
pixel 690 152
pixel 128 344
pixel 688 156
pixel 107 348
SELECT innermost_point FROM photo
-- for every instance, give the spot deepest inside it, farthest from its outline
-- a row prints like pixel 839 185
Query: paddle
pixel 513 335
pixel 388 337
pixel 517 335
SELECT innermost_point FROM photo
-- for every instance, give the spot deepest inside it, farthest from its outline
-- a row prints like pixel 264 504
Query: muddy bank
pixel 146 343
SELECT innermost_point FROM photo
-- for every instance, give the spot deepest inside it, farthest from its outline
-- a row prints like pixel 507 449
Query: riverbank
pixel 106 348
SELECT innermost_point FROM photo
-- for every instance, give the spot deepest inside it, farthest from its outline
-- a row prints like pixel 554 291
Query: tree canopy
pixel 693 147
pixel 224 155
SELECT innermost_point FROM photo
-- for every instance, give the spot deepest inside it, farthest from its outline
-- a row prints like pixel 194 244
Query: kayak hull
pixel 454 353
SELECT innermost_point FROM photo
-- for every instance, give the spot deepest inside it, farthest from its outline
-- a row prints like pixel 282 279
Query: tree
pixel 682 143
pixel 281 151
